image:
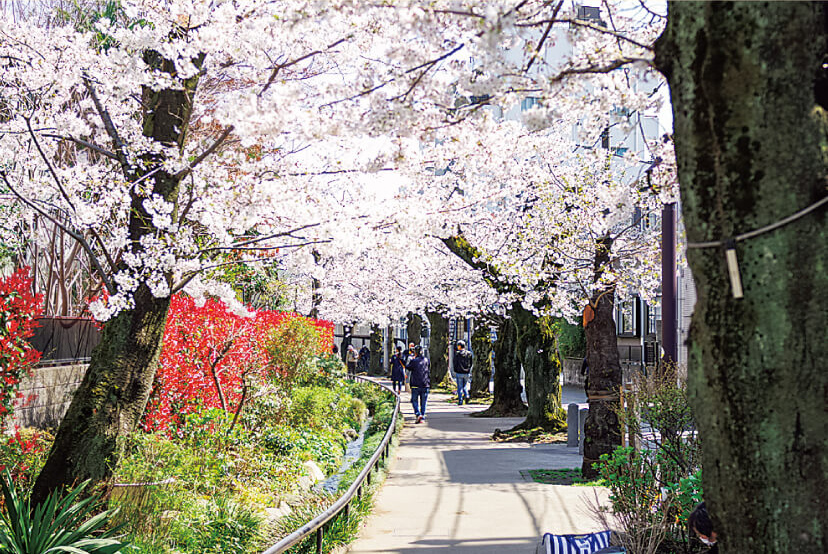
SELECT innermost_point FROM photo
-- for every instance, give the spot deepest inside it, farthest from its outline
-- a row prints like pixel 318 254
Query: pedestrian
pixel 364 359
pixel 397 371
pixel 462 371
pixel 351 359
pixel 420 382
pixel 700 523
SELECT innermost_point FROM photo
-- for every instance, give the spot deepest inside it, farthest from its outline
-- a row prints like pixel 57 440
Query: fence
pixel 65 339
pixel 317 525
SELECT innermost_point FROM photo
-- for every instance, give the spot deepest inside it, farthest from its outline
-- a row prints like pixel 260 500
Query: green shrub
pixel 218 526
pixel 319 407
pixel 291 348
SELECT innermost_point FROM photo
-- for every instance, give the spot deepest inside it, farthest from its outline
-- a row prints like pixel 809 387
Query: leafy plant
pixel 19 309
pixel 291 347
pixel 56 525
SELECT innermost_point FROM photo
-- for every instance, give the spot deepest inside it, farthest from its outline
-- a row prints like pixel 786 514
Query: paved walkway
pixel 451 489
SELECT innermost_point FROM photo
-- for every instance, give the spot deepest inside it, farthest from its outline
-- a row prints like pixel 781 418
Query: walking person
pixel 397 371
pixel 364 359
pixel 462 371
pixel 351 359
pixel 420 382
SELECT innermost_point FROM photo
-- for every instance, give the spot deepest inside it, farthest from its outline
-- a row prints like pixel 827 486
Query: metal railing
pixel 317 524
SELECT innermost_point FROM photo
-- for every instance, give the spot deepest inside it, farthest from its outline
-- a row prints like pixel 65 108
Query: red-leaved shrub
pixel 209 354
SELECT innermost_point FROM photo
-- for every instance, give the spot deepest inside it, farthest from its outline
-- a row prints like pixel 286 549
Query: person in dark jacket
pixel 420 380
pixel 462 371
pixel 397 371
pixel 364 359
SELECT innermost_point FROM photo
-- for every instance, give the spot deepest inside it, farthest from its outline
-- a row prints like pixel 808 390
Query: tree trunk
pixel 114 392
pixel 481 346
pixel 749 88
pixel 538 351
pixel 507 389
pixel 111 399
pixel 438 347
pixel 375 364
pixel 414 328
pixel 347 337
pixel 602 429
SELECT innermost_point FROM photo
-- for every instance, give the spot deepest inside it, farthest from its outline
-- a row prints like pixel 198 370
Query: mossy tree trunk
pixel 538 351
pixel 113 394
pixel 438 347
pixel 481 346
pixel 749 90
pixel 506 400
pixel 602 428
pixel 375 363
pixel 414 328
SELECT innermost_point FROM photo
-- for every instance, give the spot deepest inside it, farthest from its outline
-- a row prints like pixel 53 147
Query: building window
pixel 654 317
pixel 626 318
pixel 528 103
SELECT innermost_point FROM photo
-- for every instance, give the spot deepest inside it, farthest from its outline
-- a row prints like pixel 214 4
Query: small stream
pixel 352 452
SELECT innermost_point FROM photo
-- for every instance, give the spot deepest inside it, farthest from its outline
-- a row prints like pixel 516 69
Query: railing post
pixel 319 540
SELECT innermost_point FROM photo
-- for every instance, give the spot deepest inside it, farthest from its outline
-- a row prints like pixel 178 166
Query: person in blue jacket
pixel 420 380
pixel 397 371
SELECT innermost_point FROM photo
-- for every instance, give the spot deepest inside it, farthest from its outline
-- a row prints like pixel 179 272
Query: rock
pixel 274 514
pixel 314 472
pixel 292 500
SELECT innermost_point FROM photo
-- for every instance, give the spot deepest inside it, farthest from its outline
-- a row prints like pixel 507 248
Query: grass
pixel 533 436
pixel 562 477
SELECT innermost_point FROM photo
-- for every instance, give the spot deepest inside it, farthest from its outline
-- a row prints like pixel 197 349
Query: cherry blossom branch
pixel 204 155
pixel 295 61
pixel 543 38
pixel 109 126
pixel 84 144
pixel 62 190
pixel 591 69
pixel 430 64
pixel 79 238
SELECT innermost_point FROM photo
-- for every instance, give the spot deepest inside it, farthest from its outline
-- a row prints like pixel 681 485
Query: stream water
pixel 352 452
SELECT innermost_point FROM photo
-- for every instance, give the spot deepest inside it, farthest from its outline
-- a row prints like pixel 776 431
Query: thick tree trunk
pixel 749 88
pixel 602 429
pixel 414 328
pixel 111 399
pixel 438 347
pixel 113 395
pixel 375 364
pixel 481 346
pixel 507 389
pixel 538 352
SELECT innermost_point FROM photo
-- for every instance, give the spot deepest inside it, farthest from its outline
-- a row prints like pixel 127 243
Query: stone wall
pixel 47 394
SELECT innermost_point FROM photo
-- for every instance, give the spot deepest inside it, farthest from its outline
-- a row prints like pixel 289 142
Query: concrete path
pixel 451 489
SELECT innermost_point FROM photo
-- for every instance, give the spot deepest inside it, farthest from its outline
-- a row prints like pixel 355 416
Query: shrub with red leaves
pixel 19 309
pixel 208 357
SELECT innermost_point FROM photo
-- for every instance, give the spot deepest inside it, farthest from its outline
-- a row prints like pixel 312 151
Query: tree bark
pixel 414 328
pixel 602 429
pixel 481 346
pixel 749 90
pixel 114 392
pixel 538 351
pixel 438 347
pixel 507 389
pixel 375 364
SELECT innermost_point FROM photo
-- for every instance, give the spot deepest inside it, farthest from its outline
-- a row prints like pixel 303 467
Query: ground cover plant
pixel 571 476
